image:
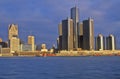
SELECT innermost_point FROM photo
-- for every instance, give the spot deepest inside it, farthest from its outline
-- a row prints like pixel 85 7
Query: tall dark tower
pixel 67 34
pixel 75 17
pixel 88 34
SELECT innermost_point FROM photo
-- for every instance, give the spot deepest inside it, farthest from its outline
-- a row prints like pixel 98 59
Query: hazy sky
pixel 41 17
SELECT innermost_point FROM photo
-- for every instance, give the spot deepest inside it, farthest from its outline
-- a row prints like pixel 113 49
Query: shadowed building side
pixel 88 34
pixel 100 42
pixel 67 34
pixel 80 36
pixel 110 42
pixel 75 18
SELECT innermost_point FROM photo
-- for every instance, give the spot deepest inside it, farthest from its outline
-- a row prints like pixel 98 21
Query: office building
pixel 0 39
pixel 60 36
pixel 100 42
pixel 31 41
pixel 75 18
pixel 88 34
pixel 12 31
pixel 67 34
pixel 110 42
pixel 80 36
pixel 25 47
pixel 14 44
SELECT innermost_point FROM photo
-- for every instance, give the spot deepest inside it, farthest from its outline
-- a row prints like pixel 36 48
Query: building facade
pixel 31 41
pixel 88 34
pixel 110 42
pixel 75 18
pixel 14 44
pixel 67 34
pixel 12 31
pixel 100 42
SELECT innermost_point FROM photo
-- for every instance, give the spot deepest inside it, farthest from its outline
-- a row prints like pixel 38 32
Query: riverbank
pixel 63 53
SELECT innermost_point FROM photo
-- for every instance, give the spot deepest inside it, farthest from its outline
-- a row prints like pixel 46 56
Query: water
pixel 60 68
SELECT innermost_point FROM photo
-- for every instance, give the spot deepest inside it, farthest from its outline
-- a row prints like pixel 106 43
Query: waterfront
pixel 60 67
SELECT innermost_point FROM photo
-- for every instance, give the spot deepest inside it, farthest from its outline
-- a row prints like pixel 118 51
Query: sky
pixel 41 17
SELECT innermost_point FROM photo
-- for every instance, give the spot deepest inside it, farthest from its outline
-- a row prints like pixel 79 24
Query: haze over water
pixel 60 68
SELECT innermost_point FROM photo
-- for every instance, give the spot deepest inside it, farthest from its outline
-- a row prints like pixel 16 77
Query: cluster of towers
pixel 102 43
pixel 15 43
pixel 74 34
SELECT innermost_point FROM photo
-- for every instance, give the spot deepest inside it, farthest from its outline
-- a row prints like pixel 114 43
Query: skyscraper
pixel 31 41
pixel 12 31
pixel 75 17
pixel 88 34
pixel 60 36
pixel 14 44
pixel 100 42
pixel 13 39
pixel 67 34
pixel 80 36
pixel 110 42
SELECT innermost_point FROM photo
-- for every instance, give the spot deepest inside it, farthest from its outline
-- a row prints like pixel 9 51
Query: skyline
pixel 35 16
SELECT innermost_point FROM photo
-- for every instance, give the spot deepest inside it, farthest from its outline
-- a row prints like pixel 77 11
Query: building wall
pixel 88 34
pixel 75 18
pixel 14 44
pixel 31 41
pixel 110 42
pixel 67 34
pixel 12 31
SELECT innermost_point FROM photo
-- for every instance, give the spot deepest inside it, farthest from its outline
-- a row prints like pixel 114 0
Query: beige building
pixel 14 44
pixel 12 31
pixel 0 39
pixel 31 41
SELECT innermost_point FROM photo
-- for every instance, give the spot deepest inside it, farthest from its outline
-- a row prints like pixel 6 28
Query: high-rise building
pixel 110 42
pixel 75 18
pixel 100 42
pixel 12 31
pixel 88 34
pixel 80 37
pixel 60 36
pixel 31 41
pixel 14 44
pixel 67 34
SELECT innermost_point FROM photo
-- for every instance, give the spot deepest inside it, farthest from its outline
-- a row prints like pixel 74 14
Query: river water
pixel 60 67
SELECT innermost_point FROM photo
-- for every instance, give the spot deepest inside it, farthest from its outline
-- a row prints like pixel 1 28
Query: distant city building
pixel 0 39
pixel 110 42
pixel 100 42
pixel 60 37
pixel 44 48
pixel 67 34
pixel 80 37
pixel 75 18
pixel 26 47
pixel 88 34
pixel 3 44
pixel 12 31
pixel 31 41
pixel 14 44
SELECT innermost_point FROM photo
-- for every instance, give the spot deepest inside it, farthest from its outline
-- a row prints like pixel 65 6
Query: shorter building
pixel 110 42
pixel 14 44
pixel 4 44
pixel 0 39
pixel 43 48
pixel 100 42
pixel 31 41
pixel 25 47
